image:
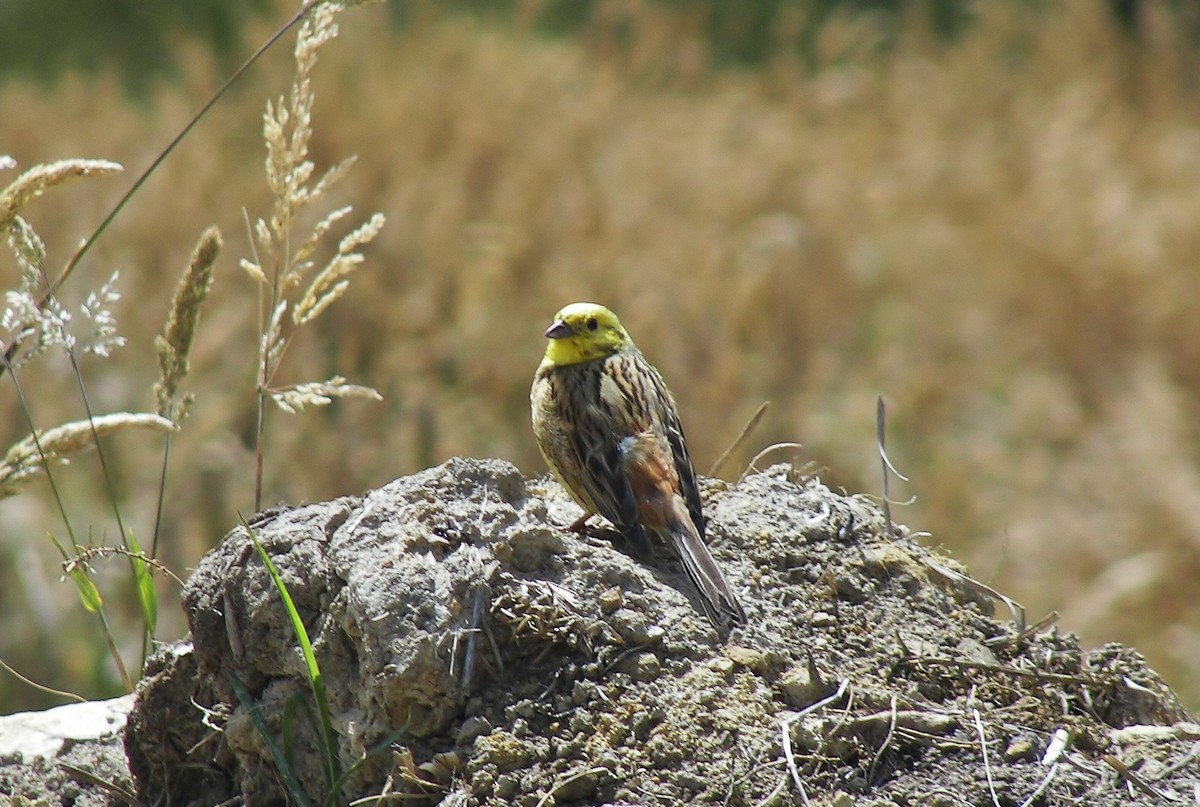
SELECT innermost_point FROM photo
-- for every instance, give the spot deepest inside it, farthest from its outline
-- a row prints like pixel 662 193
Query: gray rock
pixel 42 735
pixel 70 754
pixel 497 659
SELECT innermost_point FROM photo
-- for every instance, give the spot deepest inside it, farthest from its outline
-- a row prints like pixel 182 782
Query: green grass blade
pixel 89 595
pixel 286 728
pixel 316 682
pixel 147 596
pixel 378 748
pixel 281 763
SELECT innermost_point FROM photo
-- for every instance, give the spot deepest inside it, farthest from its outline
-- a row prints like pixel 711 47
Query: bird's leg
pixel 636 542
pixel 579 526
pixel 587 533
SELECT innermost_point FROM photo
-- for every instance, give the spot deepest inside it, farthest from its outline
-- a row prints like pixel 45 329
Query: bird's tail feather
pixel 721 606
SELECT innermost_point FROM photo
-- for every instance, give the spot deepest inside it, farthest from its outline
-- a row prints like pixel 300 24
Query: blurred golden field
pixel 999 236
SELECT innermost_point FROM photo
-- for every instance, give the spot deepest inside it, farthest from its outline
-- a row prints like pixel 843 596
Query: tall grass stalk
pixel 36 321
pixel 83 249
pixel 174 347
pixel 281 269
pixel 44 323
pixel 28 319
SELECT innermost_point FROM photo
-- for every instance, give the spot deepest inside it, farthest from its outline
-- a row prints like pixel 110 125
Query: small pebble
pixel 611 599
pixel 1019 748
pixel 471 728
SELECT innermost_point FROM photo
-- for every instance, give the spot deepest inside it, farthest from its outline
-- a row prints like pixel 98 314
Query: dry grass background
pixel 999 236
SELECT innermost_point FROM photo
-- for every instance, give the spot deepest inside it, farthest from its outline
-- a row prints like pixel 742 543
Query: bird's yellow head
pixel 585 332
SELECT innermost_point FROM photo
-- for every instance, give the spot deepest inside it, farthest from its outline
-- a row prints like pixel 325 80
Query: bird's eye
pixel 592 324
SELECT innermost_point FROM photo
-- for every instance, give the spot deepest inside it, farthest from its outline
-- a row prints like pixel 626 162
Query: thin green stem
pixel 148 636
pixel 104 469
pixel 37 441
pixel 114 652
pixel 62 510
pixel 62 693
pixel 258 451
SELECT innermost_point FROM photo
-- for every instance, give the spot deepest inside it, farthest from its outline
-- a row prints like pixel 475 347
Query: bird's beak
pixel 559 330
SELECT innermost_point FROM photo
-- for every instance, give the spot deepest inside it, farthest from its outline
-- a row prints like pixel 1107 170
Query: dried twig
pixel 750 426
pixel 1045 783
pixel 753 464
pixel 791 764
pixel 880 440
pixel 773 796
pixel 1128 775
pixel 1015 608
pixel 42 687
pixel 1035 675
pixel 87 552
pixel 112 788
pixel 482 590
pixel 785 729
pixel 887 740
pixel 987 766
pixel 1186 760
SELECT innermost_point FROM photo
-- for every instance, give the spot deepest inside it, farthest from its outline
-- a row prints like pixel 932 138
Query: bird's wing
pixel 683 466
pixel 664 403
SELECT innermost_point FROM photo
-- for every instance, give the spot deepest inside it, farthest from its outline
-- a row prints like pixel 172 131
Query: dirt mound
pixel 523 665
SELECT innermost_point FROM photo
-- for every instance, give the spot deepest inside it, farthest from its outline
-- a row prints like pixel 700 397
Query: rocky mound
pixel 501 660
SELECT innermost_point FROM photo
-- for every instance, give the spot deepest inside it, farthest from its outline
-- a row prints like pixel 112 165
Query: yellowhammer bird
pixel 606 424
